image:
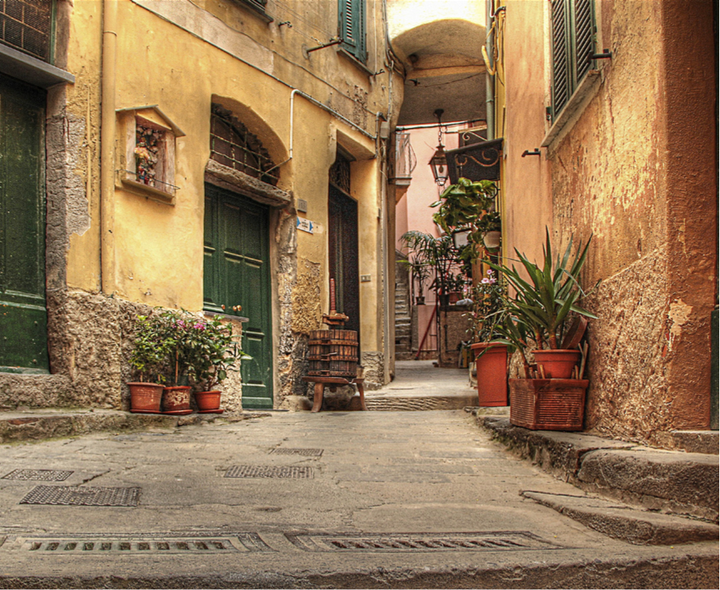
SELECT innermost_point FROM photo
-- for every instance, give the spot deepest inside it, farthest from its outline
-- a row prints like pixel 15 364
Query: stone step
pixel 619 521
pixel 399 404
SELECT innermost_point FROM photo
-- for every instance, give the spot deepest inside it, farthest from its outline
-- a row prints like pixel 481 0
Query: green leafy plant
pixel 469 206
pixel 151 348
pixel 542 303
pixel 439 256
pixel 175 345
pixel 214 351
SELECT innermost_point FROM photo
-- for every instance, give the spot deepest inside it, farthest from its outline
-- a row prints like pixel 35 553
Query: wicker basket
pixel 548 404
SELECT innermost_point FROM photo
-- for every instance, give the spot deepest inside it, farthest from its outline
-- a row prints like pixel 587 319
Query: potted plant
pixel 470 206
pixel 173 327
pixel 490 356
pixel 552 397
pixel 215 353
pixel 439 256
pixel 151 347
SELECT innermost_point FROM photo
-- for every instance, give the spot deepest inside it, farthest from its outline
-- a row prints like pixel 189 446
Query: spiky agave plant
pixel 541 304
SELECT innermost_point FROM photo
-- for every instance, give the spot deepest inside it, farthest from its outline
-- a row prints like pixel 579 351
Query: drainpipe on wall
pixel 489 79
pixel 107 147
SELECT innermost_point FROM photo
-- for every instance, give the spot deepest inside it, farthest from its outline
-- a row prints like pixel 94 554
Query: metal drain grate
pixel 71 496
pixel 414 542
pixel 38 474
pixel 303 452
pixel 95 544
pixel 266 471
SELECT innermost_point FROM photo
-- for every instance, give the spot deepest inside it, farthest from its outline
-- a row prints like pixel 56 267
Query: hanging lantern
pixel 438 162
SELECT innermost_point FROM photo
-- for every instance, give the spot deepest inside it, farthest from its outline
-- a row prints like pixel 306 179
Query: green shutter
pixel 560 55
pixel 584 32
pixel 352 27
pixel 573 41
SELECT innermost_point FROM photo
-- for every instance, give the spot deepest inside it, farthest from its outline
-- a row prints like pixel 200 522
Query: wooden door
pixel 237 273
pixel 23 314
pixel 343 255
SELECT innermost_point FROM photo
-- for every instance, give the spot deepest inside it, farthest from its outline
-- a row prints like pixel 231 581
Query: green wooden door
pixel 23 315
pixel 237 273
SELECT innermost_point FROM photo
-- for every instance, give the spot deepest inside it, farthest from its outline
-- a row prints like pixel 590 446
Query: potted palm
pixel 215 353
pixel 151 348
pixel 551 397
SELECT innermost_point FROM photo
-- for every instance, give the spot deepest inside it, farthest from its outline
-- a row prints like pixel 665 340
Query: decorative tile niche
pixel 146 167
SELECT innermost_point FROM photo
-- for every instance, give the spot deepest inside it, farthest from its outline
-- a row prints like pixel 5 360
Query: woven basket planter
pixel 548 404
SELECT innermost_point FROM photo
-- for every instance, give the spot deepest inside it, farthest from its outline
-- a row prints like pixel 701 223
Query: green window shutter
pixel 560 55
pixel 352 27
pixel 584 30
pixel 573 41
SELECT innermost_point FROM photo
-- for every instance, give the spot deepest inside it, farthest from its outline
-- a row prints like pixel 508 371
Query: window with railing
pixel 257 6
pixel 27 25
pixel 405 159
pixel 232 145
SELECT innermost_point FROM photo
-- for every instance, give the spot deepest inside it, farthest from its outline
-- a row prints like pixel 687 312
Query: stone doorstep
pixel 42 424
pixel 673 482
pixel 616 520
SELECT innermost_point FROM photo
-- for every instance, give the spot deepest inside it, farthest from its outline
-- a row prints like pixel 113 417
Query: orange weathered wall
pixel 636 168
pixel 527 200
pixel 638 171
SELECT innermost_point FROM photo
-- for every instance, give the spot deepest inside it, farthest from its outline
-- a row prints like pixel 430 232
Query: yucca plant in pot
pixel 535 318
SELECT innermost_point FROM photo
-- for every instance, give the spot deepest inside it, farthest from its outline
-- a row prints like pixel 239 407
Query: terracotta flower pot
pixel 207 400
pixel 548 404
pixel 557 363
pixel 145 397
pixel 491 373
pixel 176 399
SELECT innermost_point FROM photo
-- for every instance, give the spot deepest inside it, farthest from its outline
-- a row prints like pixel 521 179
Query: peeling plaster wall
pixel 637 171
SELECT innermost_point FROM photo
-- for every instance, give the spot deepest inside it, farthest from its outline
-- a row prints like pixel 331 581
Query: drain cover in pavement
pixel 72 496
pixel 265 471
pixel 413 542
pixel 38 474
pixel 95 544
pixel 304 452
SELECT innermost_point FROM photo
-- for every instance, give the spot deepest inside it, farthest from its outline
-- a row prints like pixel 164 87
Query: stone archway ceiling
pixel 445 70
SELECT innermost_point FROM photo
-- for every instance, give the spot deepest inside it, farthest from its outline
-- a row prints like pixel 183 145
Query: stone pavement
pixel 300 500
pixel 419 385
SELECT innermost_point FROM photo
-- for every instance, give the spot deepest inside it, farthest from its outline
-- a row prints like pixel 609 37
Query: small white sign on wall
pixel 305 225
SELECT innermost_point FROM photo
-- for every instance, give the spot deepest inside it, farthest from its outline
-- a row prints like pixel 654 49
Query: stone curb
pixel 668 481
pixel 47 424
pixel 684 571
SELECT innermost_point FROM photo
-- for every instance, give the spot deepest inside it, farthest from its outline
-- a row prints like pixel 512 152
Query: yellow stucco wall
pixel 182 56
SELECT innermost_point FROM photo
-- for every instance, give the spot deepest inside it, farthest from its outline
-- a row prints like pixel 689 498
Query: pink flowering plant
pixel 487 296
pixel 178 345
pixel 214 351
